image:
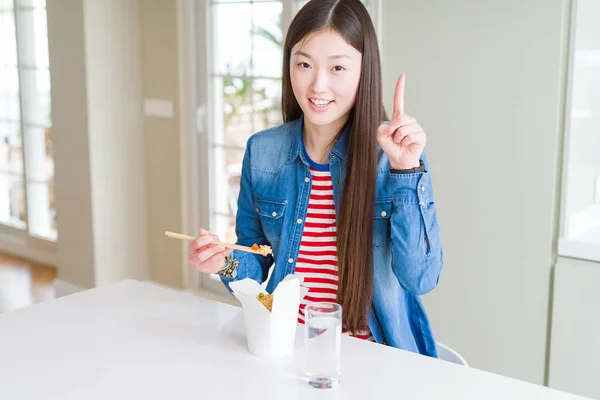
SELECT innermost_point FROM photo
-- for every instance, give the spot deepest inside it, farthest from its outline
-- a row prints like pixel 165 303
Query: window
pixel 26 159
pixel 246 82
pixel 239 92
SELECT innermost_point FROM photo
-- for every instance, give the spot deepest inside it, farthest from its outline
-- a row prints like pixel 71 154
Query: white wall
pixel 575 349
pixel 98 141
pixel 117 171
pixel 160 72
pixel 75 247
pixel 113 49
pixel 484 78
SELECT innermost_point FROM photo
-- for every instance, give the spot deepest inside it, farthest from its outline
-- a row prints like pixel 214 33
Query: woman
pixel 343 199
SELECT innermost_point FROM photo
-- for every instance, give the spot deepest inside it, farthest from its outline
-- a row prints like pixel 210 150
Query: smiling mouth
pixel 320 102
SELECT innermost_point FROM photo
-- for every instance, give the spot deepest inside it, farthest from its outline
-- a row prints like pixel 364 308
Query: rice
pixel 266 299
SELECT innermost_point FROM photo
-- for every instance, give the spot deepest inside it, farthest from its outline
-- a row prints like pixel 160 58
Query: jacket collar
pixel 340 149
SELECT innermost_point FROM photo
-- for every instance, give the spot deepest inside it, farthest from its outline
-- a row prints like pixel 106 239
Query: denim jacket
pixel 407 253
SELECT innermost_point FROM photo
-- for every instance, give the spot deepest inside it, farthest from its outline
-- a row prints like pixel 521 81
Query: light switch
pixel 160 108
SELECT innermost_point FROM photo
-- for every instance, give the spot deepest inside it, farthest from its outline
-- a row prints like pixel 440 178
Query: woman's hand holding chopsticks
pixel 205 254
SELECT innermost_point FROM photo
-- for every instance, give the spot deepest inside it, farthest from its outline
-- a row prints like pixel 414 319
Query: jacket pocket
pixel 381 223
pixel 271 214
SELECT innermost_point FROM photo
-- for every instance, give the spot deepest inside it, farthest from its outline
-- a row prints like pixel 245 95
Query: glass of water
pixel 323 325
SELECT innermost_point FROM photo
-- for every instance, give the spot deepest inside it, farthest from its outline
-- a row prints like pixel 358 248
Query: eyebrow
pixel 335 57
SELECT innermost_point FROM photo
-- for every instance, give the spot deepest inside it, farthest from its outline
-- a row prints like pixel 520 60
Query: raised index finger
pixel 399 97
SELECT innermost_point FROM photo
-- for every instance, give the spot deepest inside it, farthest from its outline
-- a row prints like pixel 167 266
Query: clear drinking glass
pixel 323 328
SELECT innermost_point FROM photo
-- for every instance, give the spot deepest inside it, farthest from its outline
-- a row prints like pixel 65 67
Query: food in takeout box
pixel 266 299
pixel 271 320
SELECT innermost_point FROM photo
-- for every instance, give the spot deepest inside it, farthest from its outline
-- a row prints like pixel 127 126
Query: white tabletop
pixel 135 340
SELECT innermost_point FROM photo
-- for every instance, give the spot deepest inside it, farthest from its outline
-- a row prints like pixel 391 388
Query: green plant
pixel 238 88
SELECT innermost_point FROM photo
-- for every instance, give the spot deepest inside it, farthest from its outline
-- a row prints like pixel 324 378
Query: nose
pixel 319 82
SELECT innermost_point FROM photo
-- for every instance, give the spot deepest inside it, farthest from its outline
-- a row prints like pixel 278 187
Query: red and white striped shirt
pixel 317 258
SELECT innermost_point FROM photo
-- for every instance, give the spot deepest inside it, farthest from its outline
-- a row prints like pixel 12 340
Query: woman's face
pixel 325 72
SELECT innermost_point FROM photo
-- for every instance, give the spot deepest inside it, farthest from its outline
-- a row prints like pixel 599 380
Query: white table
pixel 135 340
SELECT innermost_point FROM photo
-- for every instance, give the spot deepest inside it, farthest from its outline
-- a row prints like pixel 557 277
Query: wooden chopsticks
pixel 262 250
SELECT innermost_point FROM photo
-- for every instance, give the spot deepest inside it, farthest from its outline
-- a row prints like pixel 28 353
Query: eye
pixel 304 65
pixel 338 68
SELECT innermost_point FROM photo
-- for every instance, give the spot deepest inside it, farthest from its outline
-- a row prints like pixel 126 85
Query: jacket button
pixel 274 213
pixel 383 213
pixel 299 221
pixel 307 179
pixel 333 156
pixel 337 182
pixel 290 260
pixel 422 188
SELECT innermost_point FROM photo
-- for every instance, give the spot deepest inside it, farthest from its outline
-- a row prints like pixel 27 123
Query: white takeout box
pixel 270 334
